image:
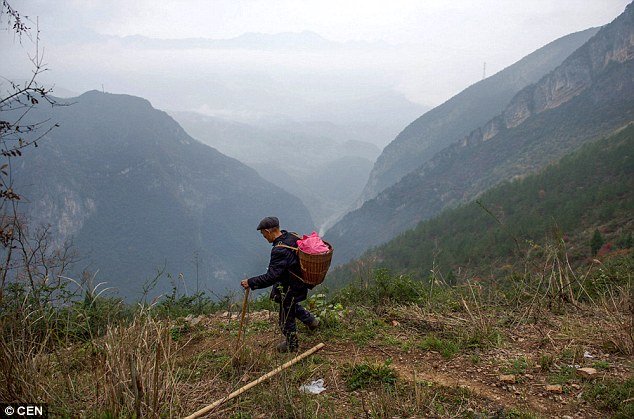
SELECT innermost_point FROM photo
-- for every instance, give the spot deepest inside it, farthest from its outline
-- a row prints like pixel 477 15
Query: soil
pixel 478 371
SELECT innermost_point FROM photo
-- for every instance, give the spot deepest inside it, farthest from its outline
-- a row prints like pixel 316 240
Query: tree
pixel 17 135
pixel 596 242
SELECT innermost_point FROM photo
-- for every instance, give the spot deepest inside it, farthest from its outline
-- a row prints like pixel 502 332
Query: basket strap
pixel 288 247
pixel 295 249
pixel 296 276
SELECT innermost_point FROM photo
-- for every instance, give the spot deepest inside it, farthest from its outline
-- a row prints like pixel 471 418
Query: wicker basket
pixel 315 267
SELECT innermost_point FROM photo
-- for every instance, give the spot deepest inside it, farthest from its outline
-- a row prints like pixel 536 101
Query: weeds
pixel 612 396
pixel 601 365
pixel 518 366
pixel 563 375
pixel 366 375
pixel 446 347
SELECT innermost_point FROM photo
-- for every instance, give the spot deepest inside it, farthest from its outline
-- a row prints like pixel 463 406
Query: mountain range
pixel 588 190
pixel 474 106
pixel 137 194
pixel 589 95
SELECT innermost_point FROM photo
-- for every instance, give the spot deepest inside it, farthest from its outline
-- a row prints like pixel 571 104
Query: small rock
pixel 587 372
pixel 575 386
pixel 554 388
pixel 196 320
pixel 507 378
pixel 395 323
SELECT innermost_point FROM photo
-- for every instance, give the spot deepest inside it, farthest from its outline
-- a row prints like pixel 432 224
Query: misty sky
pixel 424 51
pixel 526 23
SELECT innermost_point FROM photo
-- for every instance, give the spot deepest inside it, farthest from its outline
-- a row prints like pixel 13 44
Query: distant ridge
pixel 590 95
pixel 137 194
pixel 474 106
pixel 561 202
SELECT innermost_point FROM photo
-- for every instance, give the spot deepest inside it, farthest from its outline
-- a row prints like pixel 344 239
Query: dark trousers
pixel 289 311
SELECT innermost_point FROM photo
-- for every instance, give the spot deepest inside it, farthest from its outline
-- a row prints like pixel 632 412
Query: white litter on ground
pixel 315 387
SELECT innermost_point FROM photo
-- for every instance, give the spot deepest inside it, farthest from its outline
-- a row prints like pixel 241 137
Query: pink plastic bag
pixel 312 244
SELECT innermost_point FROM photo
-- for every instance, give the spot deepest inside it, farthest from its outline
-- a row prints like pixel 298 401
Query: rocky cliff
pixel 471 108
pixel 589 95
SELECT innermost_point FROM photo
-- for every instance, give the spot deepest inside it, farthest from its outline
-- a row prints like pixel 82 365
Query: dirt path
pixel 529 394
pixel 481 377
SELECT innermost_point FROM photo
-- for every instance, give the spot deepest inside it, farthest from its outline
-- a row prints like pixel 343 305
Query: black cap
pixel 268 222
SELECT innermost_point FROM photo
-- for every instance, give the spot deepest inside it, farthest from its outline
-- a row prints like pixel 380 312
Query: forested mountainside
pixel 590 95
pixel 471 108
pixel 135 193
pixel 587 191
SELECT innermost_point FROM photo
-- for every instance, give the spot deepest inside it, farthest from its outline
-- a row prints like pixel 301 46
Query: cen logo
pixel 30 410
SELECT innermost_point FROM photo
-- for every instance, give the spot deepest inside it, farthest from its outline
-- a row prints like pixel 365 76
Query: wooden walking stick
pixel 244 311
pixel 254 383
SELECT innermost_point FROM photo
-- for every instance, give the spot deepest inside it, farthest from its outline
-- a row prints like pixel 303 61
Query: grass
pixel 563 375
pixel 614 397
pixel 601 365
pixel 99 342
pixel 365 375
pixel 517 366
pixel 361 326
pixel 446 347
pixel 546 361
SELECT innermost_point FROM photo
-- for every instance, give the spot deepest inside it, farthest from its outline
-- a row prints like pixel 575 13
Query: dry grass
pixel 617 311
pixel 25 366
pixel 138 374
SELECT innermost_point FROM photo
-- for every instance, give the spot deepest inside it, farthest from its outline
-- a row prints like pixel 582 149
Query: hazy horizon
pixel 367 66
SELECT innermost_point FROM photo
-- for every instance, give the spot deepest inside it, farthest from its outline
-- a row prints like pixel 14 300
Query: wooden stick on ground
pixel 244 310
pixel 254 383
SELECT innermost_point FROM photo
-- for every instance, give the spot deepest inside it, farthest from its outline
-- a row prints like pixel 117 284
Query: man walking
pixel 284 274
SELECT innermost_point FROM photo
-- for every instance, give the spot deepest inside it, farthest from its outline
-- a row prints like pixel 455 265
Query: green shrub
pixel 384 288
pixel 517 366
pixel 174 305
pixel 329 313
pixel 615 271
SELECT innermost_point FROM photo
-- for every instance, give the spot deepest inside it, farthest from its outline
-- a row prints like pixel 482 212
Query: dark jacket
pixel 284 263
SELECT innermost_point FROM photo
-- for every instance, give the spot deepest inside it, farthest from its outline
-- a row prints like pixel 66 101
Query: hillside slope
pixel 592 187
pixel 590 95
pixel 472 107
pixel 136 193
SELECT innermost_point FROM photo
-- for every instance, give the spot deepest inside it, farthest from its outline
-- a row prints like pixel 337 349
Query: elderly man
pixel 284 274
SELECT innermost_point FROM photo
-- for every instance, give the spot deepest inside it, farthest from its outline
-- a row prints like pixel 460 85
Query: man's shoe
pixel 290 344
pixel 314 325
